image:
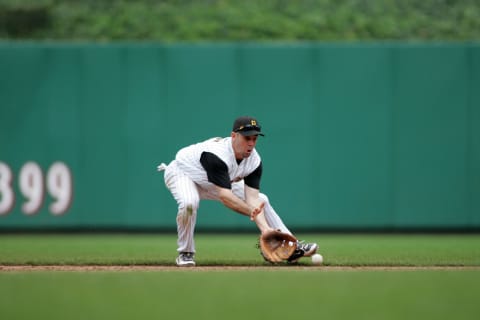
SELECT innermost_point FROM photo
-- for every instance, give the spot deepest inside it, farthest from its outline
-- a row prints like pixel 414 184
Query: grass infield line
pixel 89 268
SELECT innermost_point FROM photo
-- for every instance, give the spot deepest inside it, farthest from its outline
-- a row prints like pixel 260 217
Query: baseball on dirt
pixel 317 258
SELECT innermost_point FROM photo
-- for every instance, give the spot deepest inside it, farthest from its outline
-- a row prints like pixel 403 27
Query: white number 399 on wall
pixel 32 186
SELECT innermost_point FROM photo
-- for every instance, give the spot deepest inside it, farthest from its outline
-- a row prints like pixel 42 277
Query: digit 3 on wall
pixel 32 186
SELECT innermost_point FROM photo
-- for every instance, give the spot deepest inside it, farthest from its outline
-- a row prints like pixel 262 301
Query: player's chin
pixel 247 154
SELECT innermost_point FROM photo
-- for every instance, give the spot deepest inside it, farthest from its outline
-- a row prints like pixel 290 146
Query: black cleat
pixel 303 250
pixel 185 259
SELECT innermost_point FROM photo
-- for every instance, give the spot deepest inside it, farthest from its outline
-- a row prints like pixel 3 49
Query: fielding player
pixel 228 170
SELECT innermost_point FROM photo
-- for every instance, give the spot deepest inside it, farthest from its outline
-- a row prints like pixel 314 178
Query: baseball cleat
pixel 185 259
pixel 309 249
pixel 303 250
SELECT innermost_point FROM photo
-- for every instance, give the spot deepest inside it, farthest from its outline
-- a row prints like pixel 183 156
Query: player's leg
pixel 275 222
pixel 304 249
pixel 273 219
pixel 186 194
pixel 271 216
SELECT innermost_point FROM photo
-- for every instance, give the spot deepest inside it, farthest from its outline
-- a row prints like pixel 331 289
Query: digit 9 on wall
pixel 32 185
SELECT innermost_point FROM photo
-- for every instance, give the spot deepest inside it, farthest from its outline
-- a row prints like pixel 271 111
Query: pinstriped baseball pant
pixel 188 196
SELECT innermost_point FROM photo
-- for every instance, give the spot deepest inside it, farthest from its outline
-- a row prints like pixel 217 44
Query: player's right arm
pixel 238 205
pixel 217 173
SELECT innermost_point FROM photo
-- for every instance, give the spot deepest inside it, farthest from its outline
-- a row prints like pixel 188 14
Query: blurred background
pixel 371 110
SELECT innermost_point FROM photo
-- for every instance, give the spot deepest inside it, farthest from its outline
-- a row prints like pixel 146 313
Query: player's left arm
pixel 252 198
pixel 252 186
pixel 252 192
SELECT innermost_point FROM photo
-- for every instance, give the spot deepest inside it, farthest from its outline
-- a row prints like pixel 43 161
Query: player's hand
pixel 256 211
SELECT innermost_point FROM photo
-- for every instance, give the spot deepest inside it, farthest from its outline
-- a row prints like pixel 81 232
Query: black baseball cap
pixel 247 126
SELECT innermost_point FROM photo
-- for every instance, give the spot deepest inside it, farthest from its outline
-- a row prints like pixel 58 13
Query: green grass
pixel 240 295
pixel 338 250
pixel 227 20
pixel 261 293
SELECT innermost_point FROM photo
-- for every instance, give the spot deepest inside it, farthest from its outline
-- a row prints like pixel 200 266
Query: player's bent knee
pixel 188 209
pixel 263 198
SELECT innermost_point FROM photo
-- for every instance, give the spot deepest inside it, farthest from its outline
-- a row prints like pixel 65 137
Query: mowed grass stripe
pixel 252 294
pixel 237 250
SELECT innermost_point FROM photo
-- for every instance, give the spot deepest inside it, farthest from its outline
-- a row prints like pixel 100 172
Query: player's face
pixel 243 146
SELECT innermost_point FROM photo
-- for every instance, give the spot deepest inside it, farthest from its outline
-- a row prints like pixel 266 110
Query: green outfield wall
pixel 358 136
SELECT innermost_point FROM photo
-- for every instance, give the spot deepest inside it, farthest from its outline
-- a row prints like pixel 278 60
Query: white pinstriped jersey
pixel 188 160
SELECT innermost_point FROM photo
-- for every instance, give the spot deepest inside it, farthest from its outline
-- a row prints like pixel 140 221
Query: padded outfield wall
pixel 358 136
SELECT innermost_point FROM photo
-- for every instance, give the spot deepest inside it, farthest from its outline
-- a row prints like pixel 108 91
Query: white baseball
pixel 317 258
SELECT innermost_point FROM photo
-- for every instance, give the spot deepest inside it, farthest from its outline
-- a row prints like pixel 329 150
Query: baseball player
pixel 228 170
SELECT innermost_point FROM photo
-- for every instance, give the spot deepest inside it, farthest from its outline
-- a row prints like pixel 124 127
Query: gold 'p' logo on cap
pixel 253 122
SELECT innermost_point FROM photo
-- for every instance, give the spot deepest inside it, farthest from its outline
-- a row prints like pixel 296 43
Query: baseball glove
pixel 276 246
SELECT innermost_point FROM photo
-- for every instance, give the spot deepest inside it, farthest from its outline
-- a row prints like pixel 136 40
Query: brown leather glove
pixel 277 246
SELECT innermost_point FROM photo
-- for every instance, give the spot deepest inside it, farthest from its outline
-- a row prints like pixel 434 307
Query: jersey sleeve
pixel 217 170
pixel 253 179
